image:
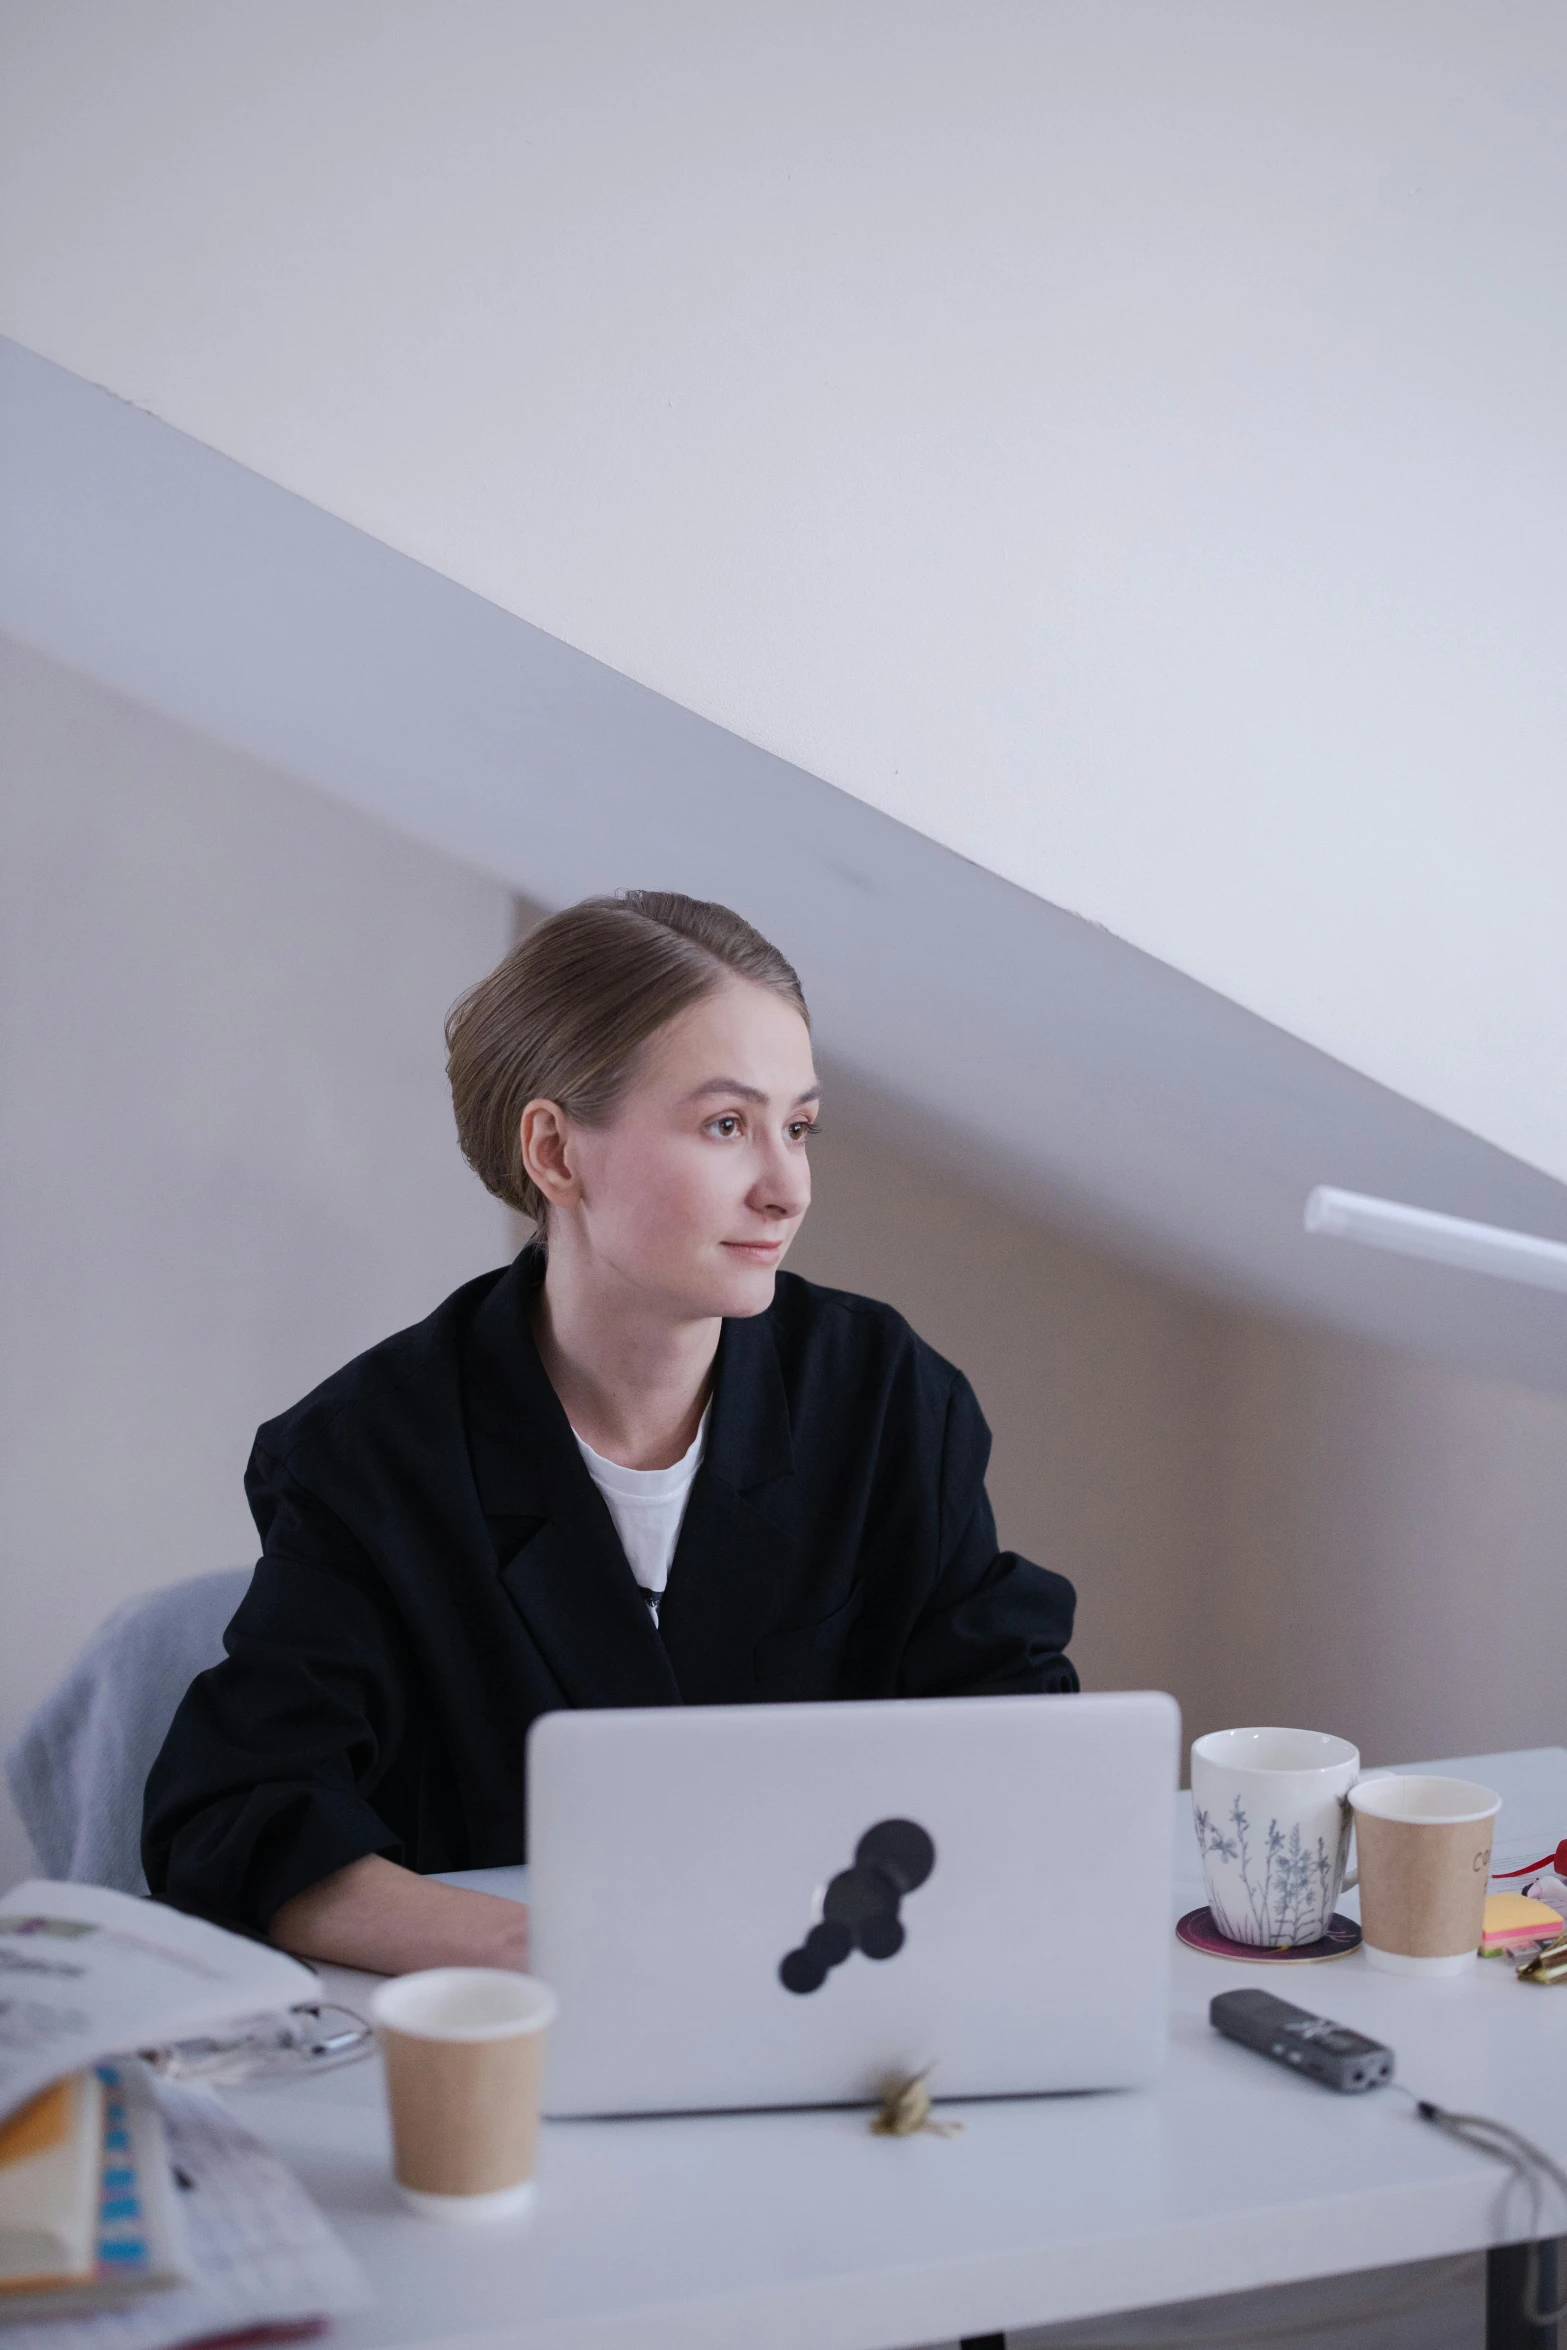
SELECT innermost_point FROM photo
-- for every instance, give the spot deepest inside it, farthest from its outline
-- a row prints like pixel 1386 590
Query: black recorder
pixel 1302 2042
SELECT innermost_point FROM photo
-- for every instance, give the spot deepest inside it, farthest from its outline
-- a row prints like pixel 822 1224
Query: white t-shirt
pixel 647 1506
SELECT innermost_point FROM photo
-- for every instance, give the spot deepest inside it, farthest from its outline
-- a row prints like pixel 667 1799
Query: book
pixel 51 2160
pixel 88 2233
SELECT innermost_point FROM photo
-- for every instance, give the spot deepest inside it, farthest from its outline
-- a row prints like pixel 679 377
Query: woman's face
pixel 692 1193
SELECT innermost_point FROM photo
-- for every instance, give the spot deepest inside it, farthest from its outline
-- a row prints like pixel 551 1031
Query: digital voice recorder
pixel 1302 2042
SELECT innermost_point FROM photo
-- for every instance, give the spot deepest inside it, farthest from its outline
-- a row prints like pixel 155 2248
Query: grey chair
pixel 78 1769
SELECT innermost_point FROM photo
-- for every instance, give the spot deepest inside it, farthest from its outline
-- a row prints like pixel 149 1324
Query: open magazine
pixel 137 2214
pixel 87 1974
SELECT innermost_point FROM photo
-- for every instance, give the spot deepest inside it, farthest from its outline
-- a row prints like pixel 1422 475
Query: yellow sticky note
pixel 1512 1918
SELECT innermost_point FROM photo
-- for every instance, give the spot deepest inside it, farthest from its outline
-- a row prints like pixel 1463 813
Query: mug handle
pixel 1351 1876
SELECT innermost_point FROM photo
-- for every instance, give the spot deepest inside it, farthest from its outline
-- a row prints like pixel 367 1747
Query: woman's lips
pixel 763 1250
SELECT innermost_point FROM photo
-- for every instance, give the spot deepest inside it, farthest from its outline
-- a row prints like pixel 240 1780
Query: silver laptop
pixel 793 1904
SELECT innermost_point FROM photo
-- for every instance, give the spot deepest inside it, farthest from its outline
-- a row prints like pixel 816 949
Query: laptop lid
pixel 791 1904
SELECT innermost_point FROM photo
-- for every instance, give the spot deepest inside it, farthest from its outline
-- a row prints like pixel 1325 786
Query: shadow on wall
pixel 1094 1376
pixel 1274 1522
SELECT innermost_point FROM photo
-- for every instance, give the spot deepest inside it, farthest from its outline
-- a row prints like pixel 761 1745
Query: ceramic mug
pixel 1272 1817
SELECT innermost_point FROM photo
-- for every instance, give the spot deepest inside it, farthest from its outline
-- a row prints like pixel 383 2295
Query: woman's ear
pixel 546 1152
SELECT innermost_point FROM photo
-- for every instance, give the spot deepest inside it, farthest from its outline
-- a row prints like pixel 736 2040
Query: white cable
pixel 1534 2169
pixel 1446 1240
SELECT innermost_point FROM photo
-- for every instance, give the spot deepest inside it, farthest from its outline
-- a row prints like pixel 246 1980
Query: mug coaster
pixel 1198 1931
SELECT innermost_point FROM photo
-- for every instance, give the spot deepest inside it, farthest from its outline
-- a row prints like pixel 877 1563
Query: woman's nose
pixel 784 1187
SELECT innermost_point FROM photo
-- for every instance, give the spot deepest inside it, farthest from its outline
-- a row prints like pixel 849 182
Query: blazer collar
pixel 519 1438
pixel 568 1577
pixel 557 1554
pixel 525 1458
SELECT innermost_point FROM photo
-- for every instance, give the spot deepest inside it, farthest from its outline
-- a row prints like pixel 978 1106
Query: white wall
pixel 1120 440
pixel 1388 1551
pixel 226 1138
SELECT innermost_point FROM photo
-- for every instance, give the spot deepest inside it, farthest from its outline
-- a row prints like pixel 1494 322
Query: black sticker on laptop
pixel 860 1907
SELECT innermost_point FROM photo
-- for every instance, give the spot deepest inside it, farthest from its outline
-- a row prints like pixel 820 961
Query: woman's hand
pixel 385 1919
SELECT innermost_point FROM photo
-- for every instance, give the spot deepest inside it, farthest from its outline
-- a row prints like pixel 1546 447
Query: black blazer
pixel 439 1569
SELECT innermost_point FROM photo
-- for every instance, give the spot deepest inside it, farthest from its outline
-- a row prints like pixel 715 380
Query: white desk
pixel 774 2231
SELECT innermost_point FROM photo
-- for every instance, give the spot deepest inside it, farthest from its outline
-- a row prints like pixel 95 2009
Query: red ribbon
pixel 1556 1860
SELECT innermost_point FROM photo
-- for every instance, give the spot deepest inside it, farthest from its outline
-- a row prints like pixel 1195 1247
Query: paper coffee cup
pixel 463 2049
pixel 1425 1860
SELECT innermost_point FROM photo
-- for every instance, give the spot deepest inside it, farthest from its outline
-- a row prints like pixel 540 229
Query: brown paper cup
pixel 463 2049
pixel 1425 1860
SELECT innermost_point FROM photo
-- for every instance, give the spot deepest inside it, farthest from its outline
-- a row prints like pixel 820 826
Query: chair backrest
pixel 78 1770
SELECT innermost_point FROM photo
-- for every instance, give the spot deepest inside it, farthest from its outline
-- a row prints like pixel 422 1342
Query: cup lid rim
pixel 1465 1810
pixel 542 2004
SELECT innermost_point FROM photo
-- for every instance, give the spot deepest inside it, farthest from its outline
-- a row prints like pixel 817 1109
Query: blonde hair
pixel 565 1015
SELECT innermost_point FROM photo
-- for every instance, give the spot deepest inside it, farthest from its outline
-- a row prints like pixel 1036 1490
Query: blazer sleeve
pixel 267 1779
pixel 995 1623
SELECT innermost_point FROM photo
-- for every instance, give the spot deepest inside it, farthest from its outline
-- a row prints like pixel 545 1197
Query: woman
pixel 638 1467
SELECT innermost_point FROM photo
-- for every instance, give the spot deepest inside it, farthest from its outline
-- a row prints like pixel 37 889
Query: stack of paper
pixel 262 2261
pixel 135 2216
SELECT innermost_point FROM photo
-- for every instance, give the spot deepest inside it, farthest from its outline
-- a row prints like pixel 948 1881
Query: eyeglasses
pixel 303 2040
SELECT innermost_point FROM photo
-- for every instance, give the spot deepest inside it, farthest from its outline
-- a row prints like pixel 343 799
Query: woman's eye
pixel 726 1126
pixel 802 1127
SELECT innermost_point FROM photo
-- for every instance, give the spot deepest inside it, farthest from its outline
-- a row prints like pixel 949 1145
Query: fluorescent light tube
pixel 1446 1240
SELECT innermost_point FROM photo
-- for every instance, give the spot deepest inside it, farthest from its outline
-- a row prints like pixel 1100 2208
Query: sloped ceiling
pixel 1023 1046
pixel 1121 441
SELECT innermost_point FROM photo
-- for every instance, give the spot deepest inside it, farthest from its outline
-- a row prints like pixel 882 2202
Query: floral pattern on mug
pixel 1288 1886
